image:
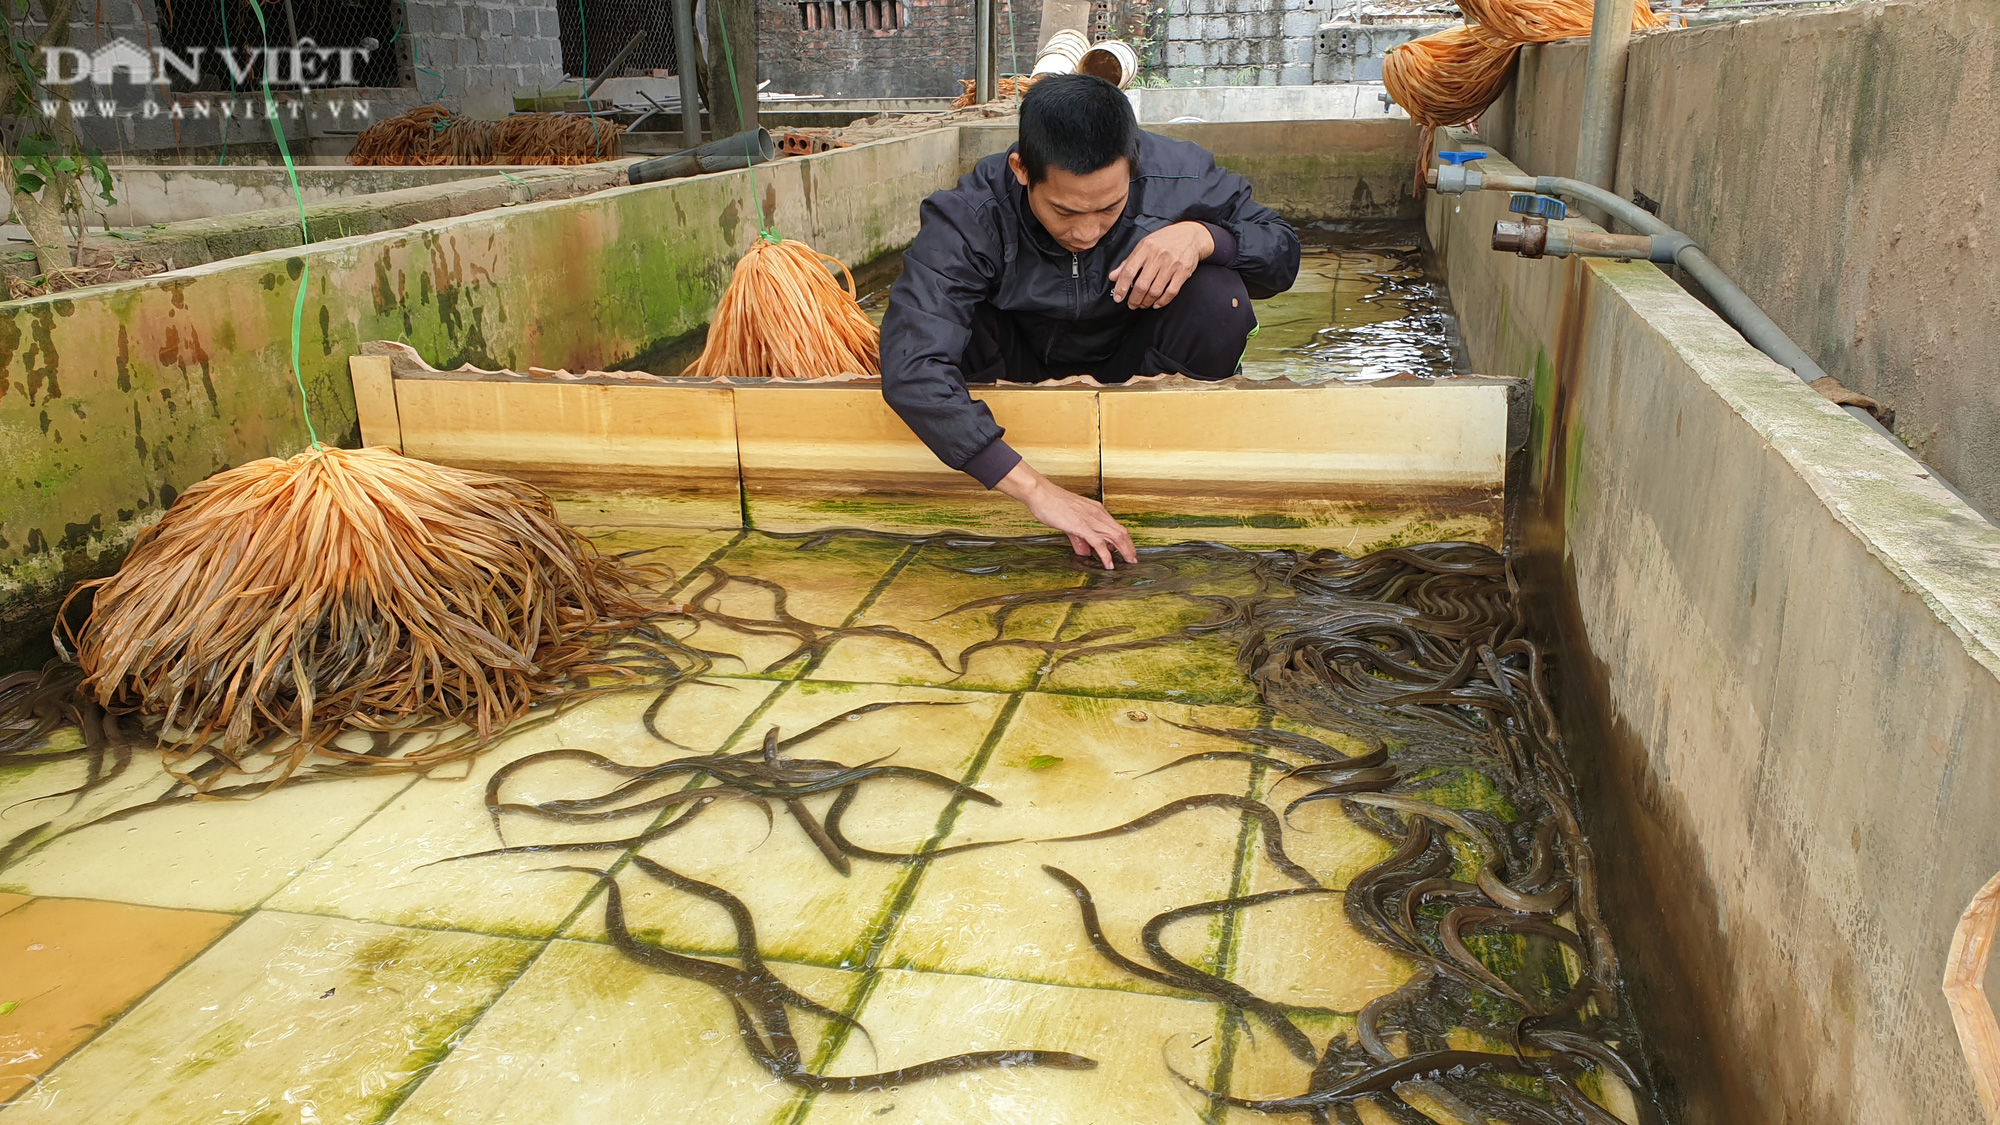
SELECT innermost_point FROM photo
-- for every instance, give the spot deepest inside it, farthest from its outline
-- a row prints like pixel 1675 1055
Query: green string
pixel 584 27
pixel 305 260
pixel 416 60
pixel 223 7
pixel 764 230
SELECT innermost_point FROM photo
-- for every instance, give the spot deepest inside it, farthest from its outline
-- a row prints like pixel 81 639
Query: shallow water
pixel 293 957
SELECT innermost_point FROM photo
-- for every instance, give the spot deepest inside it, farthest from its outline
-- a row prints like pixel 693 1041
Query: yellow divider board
pixel 835 454
pixel 1350 466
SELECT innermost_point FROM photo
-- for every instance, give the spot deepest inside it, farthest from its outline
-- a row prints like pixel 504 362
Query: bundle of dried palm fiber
pixel 785 317
pixel 278 605
pixel 432 135
pixel 1009 86
pixel 1451 76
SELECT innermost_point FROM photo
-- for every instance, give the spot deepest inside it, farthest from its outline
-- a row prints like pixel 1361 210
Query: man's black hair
pixel 1077 123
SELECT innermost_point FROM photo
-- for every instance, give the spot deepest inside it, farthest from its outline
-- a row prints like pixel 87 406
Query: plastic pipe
pixel 1735 305
pixel 753 146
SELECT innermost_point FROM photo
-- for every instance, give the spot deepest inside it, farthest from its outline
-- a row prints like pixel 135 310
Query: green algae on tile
pixel 588 1036
pixel 913 1017
pixel 397 867
pixel 995 912
pixel 927 598
pixel 805 910
pixel 1460 789
pixel 284 1010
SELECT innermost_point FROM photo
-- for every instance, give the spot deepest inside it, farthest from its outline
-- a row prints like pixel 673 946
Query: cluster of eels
pixel 1420 654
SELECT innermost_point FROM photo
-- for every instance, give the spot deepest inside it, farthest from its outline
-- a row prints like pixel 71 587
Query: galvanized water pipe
pixel 985 60
pixel 686 51
pixel 1603 93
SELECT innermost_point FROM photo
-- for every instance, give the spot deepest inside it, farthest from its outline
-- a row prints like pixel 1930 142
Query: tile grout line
pixel 1228 942
pixel 899 900
pixel 784 684
pixel 445 1049
pixel 262 905
pixel 255 908
pixel 694 571
pixel 763 707
pixel 883 928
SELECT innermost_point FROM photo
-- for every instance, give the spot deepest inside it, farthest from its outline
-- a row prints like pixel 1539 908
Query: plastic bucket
pixel 1065 49
pixel 1111 60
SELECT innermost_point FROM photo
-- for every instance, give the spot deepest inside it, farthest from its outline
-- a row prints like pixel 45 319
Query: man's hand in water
pixel 1090 528
pixel 1152 275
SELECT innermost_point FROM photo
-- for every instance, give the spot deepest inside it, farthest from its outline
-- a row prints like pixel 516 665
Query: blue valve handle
pixel 1461 157
pixel 1541 205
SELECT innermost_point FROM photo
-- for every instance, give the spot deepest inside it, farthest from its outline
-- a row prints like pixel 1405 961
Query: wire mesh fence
pixel 231 27
pixel 594 31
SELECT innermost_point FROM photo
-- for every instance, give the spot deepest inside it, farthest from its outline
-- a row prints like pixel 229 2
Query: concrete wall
pixel 1781 688
pixel 1242 42
pixel 173 193
pixel 116 398
pixel 1837 164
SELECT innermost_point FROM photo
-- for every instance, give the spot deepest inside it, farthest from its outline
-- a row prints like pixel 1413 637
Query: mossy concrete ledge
pixel 1781 682
pixel 193 242
pixel 114 399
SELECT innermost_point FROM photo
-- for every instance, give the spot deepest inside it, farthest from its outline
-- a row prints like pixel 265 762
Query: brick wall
pixel 925 57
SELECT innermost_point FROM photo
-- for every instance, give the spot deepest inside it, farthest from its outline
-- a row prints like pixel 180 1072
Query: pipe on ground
pixel 753 146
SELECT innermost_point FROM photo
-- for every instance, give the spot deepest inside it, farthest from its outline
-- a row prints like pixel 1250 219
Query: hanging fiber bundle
pixel 1447 78
pixel 1451 76
pixel 280 604
pixel 1510 23
pixel 785 317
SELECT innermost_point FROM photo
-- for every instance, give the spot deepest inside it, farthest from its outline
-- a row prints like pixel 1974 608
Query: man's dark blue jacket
pixel 980 243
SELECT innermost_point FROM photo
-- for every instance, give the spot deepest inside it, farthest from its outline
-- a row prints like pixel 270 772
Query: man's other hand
pixel 1090 528
pixel 1157 268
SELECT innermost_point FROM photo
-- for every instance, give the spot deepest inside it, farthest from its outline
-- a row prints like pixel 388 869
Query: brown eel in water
pixel 758 997
pixel 1273 831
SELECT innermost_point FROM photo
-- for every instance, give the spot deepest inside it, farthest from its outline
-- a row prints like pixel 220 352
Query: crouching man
pixel 1091 247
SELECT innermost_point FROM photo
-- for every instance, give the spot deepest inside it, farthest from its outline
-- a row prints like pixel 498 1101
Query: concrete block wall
pixel 472 56
pixel 1241 42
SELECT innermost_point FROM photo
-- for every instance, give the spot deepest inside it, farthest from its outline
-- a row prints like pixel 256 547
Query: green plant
pixel 47 173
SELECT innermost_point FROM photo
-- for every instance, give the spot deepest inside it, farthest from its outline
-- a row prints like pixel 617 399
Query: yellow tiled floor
pixel 69 966
pixel 369 983
pixel 289 1018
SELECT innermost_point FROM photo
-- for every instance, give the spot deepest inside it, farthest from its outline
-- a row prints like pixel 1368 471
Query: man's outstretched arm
pixel 1090 528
